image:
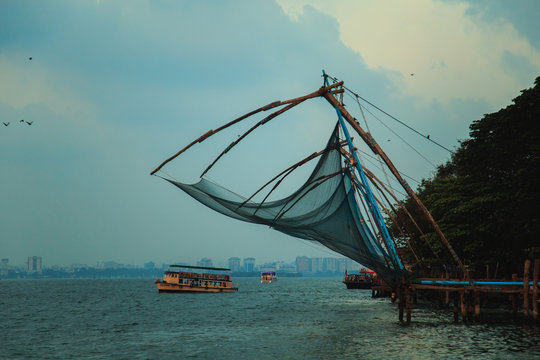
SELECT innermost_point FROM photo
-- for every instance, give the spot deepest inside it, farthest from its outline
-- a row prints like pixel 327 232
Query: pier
pixel 467 295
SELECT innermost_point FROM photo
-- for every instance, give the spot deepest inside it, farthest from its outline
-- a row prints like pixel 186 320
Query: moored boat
pixel 268 277
pixel 365 279
pixel 182 278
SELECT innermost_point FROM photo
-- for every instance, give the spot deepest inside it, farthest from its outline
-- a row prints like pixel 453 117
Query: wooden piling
pixel 526 288
pixel 408 304
pixel 447 293
pixel 456 310
pixel 463 307
pixel 400 304
pixel 469 306
pixel 476 305
pixel 535 289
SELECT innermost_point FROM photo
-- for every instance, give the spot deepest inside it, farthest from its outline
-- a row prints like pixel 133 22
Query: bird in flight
pixel 21 120
pixel 29 122
pixel 5 124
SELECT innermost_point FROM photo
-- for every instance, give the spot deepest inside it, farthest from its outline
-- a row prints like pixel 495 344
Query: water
pixel 295 318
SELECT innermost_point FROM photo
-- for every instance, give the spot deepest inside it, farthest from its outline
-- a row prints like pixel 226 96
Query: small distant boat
pixel 365 279
pixel 182 278
pixel 268 277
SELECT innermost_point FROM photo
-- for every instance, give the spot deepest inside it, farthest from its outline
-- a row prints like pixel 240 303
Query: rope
pixel 392 117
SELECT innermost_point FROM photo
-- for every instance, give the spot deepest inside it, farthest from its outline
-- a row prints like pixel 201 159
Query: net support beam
pixel 375 147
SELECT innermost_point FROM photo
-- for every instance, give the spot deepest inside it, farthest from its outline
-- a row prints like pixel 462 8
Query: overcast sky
pixel 115 87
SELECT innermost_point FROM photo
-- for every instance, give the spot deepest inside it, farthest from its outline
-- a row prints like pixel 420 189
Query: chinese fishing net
pixel 324 209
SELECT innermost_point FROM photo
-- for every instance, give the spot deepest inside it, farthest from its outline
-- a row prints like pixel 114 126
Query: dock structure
pixel 466 295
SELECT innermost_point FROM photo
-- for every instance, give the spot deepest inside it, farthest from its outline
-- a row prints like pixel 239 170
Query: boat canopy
pixel 200 267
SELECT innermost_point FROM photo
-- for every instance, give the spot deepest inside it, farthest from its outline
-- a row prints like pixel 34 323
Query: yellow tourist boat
pixel 182 278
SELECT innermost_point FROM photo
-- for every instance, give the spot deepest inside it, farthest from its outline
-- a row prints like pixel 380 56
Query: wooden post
pixel 456 311
pixel 535 289
pixel 408 304
pixel 526 288
pixel 447 293
pixel 463 307
pixel 400 304
pixel 514 298
pixel 469 305
pixel 476 305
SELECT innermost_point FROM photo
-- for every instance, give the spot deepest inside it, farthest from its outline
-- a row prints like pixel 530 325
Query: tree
pixel 486 199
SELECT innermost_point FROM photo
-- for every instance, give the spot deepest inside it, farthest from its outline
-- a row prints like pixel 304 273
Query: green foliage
pixel 486 199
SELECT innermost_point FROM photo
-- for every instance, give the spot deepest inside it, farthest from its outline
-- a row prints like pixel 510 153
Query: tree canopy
pixel 486 198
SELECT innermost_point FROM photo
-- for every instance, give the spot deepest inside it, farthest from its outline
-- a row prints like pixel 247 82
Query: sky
pixel 114 88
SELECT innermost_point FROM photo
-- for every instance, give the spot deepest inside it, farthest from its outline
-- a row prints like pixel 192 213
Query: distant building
pixel 342 267
pixel 4 267
pixel 349 265
pixel 234 264
pixel 104 265
pixel 316 265
pixel 249 264
pixel 206 262
pixel 302 264
pixel 33 265
pixel 330 265
pixel 150 265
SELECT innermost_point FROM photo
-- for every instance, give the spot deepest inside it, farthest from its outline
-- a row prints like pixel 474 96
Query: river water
pixel 295 318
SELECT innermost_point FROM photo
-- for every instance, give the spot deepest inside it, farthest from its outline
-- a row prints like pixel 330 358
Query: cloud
pixel 452 52
pixel 26 83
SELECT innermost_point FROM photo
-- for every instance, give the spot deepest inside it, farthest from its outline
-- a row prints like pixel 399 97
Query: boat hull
pixel 164 287
pixel 358 285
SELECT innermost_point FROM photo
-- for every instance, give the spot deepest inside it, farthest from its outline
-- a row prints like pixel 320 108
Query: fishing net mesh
pixel 324 209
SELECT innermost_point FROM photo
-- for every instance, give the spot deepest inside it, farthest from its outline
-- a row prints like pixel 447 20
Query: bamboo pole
pixel 535 289
pixel 320 92
pixel 526 288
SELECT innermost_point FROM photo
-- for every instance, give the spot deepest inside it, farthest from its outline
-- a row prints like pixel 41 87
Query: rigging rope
pixel 393 117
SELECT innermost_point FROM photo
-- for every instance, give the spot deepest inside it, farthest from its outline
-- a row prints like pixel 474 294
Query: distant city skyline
pixel 304 264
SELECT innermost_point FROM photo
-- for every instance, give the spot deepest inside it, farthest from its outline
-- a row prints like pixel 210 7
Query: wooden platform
pixel 466 295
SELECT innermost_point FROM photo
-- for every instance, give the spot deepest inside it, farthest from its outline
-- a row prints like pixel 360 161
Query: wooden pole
pixel 400 304
pixel 514 298
pixel 469 305
pixel 476 305
pixel 456 311
pixel 526 288
pixel 447 293
pixel 535 289
pixel 375 147
pixel 408 304
pixel 272 105
pixel 463 307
